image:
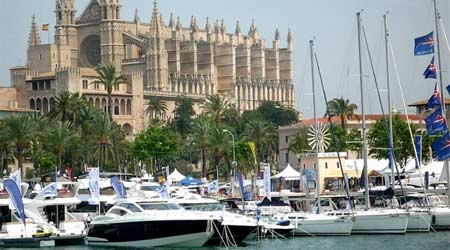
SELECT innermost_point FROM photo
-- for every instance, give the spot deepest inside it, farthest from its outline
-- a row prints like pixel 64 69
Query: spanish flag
pixel 45 27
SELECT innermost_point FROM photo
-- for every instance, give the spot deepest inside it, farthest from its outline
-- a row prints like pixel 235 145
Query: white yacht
pixel 150 224
pixel 440 212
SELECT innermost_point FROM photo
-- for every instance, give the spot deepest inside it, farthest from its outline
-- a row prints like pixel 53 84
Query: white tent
pixel 176 176
pixel 288 174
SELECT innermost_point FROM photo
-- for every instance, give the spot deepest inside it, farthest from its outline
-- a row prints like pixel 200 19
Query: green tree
pixel 183 115
pixel 155 144
pixel 214 107
pixel 200 137
pixel 378 140
pixel 156 109
pixel 342 108
pixel 62 106
pixel 277 114
pixel 220 142
pixel 341 139
pixel 298 142
pixel 102 130
pixel 354 141
pixel 60 137
pixel 110 79
pixel 265 138
pixel 18 129
pixel 244 157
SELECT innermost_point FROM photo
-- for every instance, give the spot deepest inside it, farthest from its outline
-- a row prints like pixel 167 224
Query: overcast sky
pixel 332 23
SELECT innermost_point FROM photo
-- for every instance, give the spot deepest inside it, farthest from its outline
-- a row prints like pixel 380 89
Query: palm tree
pixel 343 108
pixel 18 129
pixel 156 108
pixel 85 122
pixel 60 137
pixel 220 142
pixel 62 106
pixel 6 149
pixel 76 104
pixel 101 128
pixel 215 106
pixel 264 137
pixel 110 79
pixel 200 135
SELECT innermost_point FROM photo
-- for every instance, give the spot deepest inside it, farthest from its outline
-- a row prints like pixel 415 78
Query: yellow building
pixel 329 170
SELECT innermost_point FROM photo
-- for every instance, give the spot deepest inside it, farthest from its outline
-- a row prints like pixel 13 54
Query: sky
pixel 331 23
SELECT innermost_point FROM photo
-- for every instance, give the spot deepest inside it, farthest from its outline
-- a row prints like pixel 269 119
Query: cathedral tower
pixel 157 62
pixel 111 29
pixel 66 32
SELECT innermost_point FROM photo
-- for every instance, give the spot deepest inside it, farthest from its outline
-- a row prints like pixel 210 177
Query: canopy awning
pixel 288 173
pixel 176 176
pixel 189 180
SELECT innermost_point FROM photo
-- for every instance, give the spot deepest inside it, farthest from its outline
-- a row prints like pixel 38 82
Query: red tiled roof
pixel 336 119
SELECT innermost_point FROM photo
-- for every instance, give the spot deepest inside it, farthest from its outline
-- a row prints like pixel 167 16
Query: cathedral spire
pixel 34 37
pixel 207 26
pixel 290 43
pixel 253 32
pixel 193 25
pixel 222 27
pixel 171 22
pixel 156 25
pixel 179 26
pixel 137 20
pixel 216 26
pixel 237 30
pixel 277 35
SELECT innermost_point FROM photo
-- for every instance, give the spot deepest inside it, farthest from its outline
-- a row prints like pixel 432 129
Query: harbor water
pixel 409 241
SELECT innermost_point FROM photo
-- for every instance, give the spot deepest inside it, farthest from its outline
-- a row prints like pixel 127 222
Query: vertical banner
pixel 267 184
pixel 17 178
pixel 418 145
pixel 118 187
pixel 94 187
pixel 15 197
pixel 164 191
pixel 241 188
pixel 213 186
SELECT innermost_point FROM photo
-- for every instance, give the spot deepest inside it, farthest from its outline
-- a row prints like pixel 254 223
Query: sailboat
pixel 369 220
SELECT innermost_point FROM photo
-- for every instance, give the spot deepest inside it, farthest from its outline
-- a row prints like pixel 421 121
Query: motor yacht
pixel 150 224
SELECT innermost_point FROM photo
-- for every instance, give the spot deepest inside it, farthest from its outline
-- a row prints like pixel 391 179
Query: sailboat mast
pixel 391 135
pixel 316 127
pixel 363 128
pixel 441 85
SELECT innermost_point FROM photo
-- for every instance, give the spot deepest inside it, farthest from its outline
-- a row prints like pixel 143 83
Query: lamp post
pixel 234 163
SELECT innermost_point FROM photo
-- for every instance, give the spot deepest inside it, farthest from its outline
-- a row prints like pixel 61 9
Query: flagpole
pixel 441 85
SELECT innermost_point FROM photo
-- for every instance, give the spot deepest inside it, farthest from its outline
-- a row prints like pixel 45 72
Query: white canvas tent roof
pixel 176 176
pixel 288 174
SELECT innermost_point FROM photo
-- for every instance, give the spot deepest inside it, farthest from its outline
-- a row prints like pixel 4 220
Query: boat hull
pixel 440 218
pixel 176 233
pixel 332 226
pixel 239 233
pixel 380 222
pixel 419 221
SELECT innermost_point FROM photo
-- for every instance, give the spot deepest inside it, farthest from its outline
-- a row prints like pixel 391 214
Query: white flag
pixel 17 178
pixel 267 186
pixel 94 187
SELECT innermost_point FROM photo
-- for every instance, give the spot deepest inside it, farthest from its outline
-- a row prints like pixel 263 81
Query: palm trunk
pixel 59 160
pixel 19 160
pixel 116 150
pixel 204 163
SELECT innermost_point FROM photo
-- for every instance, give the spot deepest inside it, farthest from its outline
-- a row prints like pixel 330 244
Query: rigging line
pixel 345 71
pixel 408 121
pixel 384 116
pixel 445 34
pixel 302 82
pixel 333 132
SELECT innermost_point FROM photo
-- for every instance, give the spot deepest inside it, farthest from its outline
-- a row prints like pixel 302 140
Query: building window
pixel 287 157
pixel 47 84
pixel 304 166
pixel 314 165
pixel 326 165
pixel 85 84
pixel 34 85
pixel 116 87
pixel 96 85
pixel 337 164
pixel 286 138
pixel 41 85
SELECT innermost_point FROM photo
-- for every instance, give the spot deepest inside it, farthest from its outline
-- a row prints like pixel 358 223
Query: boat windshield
pixel 130 206
pixel 150 188
pixel 160 206
pixel 204 207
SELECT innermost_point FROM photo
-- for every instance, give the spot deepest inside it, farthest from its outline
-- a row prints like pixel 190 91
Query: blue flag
pixel 435 99
pixel 442 147
pixel 15 197
pixel 424 45
pixel 418 145
pixel 448 89
pixel 436 123
pixel 51 190
pixel 430 71
pixel 241 188
pixel 118 187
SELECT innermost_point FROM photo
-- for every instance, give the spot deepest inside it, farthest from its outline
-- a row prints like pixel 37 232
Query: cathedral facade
pixel 158 60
